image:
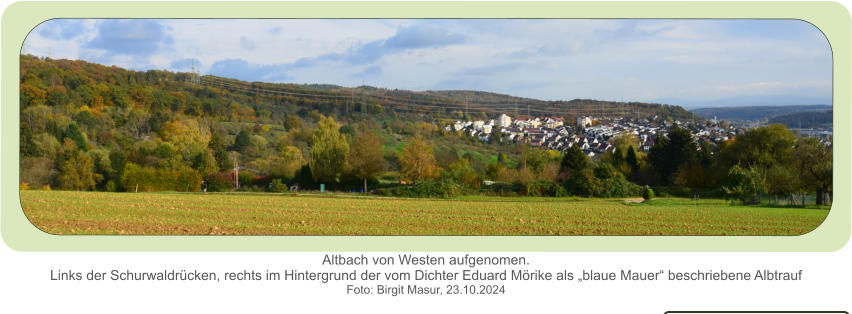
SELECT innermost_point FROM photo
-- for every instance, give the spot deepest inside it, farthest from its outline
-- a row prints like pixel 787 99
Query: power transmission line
pixel 400 103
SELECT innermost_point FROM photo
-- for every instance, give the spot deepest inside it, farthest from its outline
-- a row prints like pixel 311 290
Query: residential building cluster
pixel 595 136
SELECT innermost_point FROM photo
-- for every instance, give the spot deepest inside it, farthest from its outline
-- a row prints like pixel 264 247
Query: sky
pixel 692 63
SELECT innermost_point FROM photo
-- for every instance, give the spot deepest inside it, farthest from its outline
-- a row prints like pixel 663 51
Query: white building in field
pixel 504 121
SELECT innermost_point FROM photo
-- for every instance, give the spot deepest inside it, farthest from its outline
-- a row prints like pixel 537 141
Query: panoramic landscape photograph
pixel 519 127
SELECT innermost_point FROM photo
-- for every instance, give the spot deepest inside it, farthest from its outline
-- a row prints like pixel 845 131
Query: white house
pixel 552 123
pixel 486 129
pixel 535 123
pixel 504 121
pixel 477 125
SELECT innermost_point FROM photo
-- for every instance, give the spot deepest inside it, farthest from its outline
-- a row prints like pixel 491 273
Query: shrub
pixel 618 186
pixel 246 179
pixel 219 182
pixel 277 186
pixel 680 191
pixel 545 188
pixel 441 189
pixel 648 193
pixel 110 186
pixel 584 183
pixel 745 184
pixel 602 182
pixel 500 189
pixel 154 179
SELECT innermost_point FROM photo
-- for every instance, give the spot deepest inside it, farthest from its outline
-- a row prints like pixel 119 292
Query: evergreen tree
pixel 632 160
pixel 242 141
pixel 304 178
pixel 671 152
pixel 574 161
pixel 73 132
pixel 219 150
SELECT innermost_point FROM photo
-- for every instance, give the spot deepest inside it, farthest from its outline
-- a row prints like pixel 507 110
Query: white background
pixel 25 284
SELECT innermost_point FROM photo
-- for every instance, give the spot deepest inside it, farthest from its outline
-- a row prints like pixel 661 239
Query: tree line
pixel 91 127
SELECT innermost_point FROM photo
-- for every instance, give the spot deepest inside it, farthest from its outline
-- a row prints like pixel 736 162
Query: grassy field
pixel 62 212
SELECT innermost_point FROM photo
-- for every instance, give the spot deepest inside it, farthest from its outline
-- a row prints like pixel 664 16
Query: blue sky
pixel 691 63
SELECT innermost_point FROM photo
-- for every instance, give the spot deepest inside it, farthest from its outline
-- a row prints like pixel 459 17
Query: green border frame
pixel 19 18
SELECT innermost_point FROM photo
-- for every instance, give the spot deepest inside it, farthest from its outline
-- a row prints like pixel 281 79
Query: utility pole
pixel 363 108
pixel 195 77
pixel 465 108
pixel 236 173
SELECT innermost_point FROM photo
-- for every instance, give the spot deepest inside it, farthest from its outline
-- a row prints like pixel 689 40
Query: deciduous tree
pixel 417 161
pixel 745 184
pixel 813 161
pixel 76 171
pixel 365 157
pixel 329 151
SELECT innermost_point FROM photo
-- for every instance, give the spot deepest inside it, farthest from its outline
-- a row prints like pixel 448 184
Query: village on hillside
pixel 596 136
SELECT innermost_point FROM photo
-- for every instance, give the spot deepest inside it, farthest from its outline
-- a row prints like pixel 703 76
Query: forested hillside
pixel 805 119
pixel 755 113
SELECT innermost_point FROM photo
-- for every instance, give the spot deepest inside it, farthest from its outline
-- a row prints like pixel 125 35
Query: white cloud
pixel 561 59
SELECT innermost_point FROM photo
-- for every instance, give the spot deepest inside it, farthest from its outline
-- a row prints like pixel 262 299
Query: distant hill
pixel 212 96
pixel 571 109
pixel 755 101
pixel 804 119
pixel 755 113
